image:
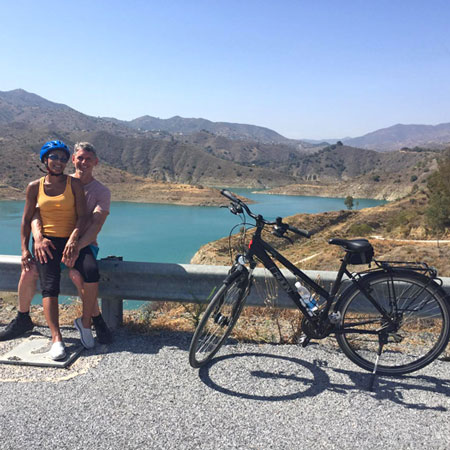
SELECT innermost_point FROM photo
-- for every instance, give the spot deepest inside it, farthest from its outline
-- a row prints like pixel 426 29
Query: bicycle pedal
pixel 334 318
pixel 304 340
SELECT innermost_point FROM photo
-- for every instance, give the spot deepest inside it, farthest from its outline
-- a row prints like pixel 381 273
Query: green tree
pixel 438 211
pixel 349 202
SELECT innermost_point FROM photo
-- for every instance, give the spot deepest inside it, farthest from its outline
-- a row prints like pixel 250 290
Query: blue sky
pixel 307 69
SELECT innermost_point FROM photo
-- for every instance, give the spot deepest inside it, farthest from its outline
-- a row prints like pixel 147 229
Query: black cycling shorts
pixel 50 272
pixel 86 264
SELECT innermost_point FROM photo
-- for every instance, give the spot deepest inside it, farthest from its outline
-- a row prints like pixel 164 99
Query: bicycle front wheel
pixel 218 321
pixel 416 332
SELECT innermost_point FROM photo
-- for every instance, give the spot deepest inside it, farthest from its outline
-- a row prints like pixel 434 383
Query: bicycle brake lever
pixel 235 209
pixel 280 234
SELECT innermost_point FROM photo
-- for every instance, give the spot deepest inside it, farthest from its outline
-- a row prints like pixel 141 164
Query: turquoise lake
pixel 170 233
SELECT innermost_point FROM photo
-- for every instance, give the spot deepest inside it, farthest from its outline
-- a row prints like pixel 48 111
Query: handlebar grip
pixel 299 231
pixel 226 193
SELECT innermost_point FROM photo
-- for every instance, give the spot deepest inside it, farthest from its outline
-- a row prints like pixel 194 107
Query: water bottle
pixel 306 298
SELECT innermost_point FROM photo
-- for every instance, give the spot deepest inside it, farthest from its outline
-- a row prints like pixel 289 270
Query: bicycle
pixel 390 320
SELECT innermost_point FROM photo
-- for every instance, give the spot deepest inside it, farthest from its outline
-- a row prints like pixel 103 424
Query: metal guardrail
pixel 190 283
pixel 125 280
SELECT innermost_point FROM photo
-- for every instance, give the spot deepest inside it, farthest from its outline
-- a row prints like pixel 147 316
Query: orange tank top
pixel 58 213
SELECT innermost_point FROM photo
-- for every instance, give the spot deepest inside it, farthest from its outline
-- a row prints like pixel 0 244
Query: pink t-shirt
pixel 98 198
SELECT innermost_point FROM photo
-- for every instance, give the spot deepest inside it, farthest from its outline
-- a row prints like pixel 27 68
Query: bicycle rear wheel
pixel 218 321
pixel 419 331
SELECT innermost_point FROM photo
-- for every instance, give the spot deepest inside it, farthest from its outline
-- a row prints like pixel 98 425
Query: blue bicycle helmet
pixel 53 145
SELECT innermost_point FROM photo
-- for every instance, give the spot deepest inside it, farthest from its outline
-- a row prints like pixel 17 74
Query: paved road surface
pixel 141 393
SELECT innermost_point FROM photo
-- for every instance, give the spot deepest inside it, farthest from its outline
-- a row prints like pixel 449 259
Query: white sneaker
pixel 57 351
pixel 87 339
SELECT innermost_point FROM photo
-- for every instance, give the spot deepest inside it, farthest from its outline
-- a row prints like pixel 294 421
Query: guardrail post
pixel 112 307
pixel 112 312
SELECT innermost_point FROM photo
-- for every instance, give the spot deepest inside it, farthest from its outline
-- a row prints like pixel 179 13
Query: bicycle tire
pixel 218 321
pixel 422 331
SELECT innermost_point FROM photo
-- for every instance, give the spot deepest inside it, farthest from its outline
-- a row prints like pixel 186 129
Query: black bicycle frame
pixel 261 250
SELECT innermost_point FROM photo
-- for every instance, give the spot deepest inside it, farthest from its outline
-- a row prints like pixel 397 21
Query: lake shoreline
pixel 355 189
pixel 196 195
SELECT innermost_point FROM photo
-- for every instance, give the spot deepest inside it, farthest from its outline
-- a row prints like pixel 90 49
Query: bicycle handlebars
pixel 280 227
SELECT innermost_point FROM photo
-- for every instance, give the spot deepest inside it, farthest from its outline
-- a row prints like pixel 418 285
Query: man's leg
pixel 27 288
pixel 86 277
pixel 22 323
pixel 89 298
pixel 78 281
pixel 87 267
pixel 104 335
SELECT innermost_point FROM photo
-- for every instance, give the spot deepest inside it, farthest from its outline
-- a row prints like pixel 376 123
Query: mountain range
pixel 198 151
pixel 400 136
pixel 392 138
pixel 21 106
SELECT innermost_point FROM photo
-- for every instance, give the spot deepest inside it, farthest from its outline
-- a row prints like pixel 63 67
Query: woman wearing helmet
pixel 62 207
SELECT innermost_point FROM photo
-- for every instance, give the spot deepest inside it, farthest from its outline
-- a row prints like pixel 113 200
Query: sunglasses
pixel 55 157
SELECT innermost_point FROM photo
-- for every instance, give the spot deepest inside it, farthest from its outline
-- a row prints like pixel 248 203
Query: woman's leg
pixel 51 312
pixel 50 277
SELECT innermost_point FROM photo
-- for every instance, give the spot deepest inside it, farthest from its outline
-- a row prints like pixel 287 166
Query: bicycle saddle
pixel 352 245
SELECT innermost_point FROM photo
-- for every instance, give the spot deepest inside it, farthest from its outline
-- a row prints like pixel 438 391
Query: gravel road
pixel 141 393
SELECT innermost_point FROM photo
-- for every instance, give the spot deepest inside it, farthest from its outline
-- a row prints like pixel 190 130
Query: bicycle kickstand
pixel 382 340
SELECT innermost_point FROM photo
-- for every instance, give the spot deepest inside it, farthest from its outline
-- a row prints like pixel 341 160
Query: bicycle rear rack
pixel 416 266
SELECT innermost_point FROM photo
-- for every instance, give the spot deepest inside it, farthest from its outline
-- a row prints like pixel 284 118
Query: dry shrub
pixel 256 324
pixel 269 325
pixel 163 316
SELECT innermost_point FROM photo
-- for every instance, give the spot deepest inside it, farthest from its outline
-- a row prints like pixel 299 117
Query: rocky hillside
pixel 404 178
pixel 127 187
pixel 21 108
pixel 183 125
pixel 177 161
pixel 341 162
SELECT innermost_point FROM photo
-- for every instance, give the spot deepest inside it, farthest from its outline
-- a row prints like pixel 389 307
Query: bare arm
pixel 98 218
pixel 80 204
pixel 25 228
pixel 42 246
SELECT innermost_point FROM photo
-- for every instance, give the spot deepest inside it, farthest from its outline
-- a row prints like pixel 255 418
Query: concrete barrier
pixel 126 280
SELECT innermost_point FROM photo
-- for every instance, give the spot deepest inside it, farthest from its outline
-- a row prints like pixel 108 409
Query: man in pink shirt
pixel 98 198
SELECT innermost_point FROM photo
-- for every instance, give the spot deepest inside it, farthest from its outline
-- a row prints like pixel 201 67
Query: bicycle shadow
pixel 313 386
pixel 385 388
